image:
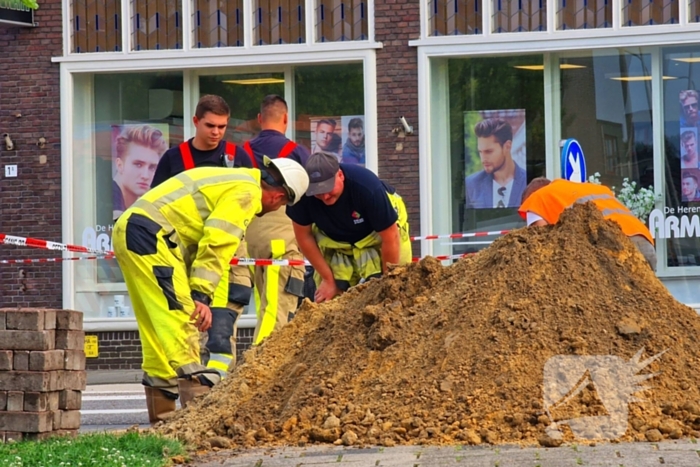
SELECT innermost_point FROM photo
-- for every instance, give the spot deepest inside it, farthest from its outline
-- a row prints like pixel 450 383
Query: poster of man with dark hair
pixel 495 158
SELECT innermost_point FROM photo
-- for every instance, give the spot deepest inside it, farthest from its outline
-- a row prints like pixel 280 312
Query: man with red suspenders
pixel 208 149
pixel 277 288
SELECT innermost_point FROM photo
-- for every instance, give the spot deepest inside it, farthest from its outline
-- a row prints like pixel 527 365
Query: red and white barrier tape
pixel 55 246
pixel 461 235
pixel 235 261
pixel 46 245
pixel 52 260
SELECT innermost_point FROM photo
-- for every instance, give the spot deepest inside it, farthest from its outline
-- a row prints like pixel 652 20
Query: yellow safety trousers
pixel 353 262
pixel 277 288
pixel 240 275
pixel 184 234
pixel 168 338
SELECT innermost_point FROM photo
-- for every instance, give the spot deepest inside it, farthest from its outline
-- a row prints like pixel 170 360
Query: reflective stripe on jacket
pixel 206 211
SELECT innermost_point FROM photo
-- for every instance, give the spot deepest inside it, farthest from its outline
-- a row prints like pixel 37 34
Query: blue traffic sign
pixel 573 164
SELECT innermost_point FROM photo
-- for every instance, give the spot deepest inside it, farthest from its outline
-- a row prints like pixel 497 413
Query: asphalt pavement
pixel 109 407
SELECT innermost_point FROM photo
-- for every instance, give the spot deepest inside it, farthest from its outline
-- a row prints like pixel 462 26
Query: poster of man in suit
pixel 495 158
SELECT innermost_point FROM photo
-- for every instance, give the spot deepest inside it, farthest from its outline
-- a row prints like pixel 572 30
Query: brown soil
pixel 434 355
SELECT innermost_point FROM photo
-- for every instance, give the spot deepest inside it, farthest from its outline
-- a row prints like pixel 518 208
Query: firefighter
pixel 173 246
pixel 350 226
pixel 208 149
pixel 277 288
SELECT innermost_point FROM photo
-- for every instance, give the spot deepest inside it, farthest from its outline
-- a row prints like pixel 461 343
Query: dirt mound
pixel 432 354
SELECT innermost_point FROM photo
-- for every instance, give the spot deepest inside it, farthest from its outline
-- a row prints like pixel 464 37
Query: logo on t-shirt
pixel 228 160
pixel 357 217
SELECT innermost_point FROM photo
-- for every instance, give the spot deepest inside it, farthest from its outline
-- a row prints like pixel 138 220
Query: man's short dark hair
pixel 273 107
pixel 212 103
pixel 533 186
pixel 327 121
pixel 494 127
pixel 687 136
pixel 690 175
pixel 356 123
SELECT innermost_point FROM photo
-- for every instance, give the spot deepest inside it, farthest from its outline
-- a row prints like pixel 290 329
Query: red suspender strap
pixel 230 153
pixel 186 155
pixel 249 151
pixel 287 149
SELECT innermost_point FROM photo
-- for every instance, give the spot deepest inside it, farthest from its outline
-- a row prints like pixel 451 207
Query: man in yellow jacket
pixel 544 201
pixel 173 246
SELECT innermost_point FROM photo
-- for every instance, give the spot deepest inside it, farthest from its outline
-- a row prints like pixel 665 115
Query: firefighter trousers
pixel 231 297
pixel 352 263
pixel 277 288
pixel 157 279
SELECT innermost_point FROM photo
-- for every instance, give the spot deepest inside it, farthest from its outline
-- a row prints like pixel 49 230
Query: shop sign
pixel 679 222
pixel 573 164
pixel 17 13
pixel 98 238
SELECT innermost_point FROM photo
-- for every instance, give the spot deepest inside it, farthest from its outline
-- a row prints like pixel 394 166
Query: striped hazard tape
pixel 55 246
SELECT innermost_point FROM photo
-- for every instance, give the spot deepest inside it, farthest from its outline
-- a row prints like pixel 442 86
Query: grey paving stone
pixel 677 454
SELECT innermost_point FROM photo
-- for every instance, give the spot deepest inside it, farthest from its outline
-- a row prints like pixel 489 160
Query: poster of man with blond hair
pixel 136 150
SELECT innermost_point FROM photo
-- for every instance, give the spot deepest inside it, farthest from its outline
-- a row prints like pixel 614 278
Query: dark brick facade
pixel 396 23
pixel 30 205
pixel 121 350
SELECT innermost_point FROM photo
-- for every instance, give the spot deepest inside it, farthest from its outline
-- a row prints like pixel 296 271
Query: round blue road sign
pixel 573 164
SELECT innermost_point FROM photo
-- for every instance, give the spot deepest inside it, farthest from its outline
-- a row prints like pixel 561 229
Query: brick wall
pixel 397 22
pixel 30 205
pixel 122 350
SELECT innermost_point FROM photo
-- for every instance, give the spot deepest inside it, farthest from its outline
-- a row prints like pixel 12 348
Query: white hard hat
pixel 296 180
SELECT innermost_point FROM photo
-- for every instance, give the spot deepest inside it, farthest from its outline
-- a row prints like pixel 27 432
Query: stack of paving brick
pixel 42 372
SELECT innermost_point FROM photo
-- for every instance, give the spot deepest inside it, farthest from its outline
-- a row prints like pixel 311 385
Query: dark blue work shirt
pixel 270 142
pixel 362 208
pixel 171 163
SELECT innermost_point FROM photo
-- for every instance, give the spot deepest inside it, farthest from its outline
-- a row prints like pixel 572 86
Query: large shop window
pixel 124 122
pixel 497 145
pixel 678 223
pixel 327 108
pixel 121 129
pixel 606 104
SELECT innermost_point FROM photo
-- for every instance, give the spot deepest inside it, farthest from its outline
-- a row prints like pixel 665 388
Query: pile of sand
pixel 432 355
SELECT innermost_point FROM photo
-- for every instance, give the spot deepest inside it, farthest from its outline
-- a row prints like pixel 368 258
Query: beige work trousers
pixel 277 288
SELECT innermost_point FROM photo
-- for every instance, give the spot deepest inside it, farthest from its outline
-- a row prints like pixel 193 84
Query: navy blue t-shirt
pixel 270 142
pixel 171 163
pixel 363 208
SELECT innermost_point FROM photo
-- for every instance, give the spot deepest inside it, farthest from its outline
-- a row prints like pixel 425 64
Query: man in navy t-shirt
pixel 350 225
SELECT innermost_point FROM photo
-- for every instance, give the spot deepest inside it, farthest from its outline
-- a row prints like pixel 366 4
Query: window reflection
pixel 496 142
pixel 682 171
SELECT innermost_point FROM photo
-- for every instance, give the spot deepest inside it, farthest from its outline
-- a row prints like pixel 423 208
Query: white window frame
pixel 435 199
pixel 628 34
pixel 248 48
pixel 200 61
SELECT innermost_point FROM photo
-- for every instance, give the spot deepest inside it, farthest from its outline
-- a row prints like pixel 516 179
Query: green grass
pixel 103 450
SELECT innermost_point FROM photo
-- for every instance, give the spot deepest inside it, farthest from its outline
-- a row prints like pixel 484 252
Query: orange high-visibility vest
pixel 550 201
